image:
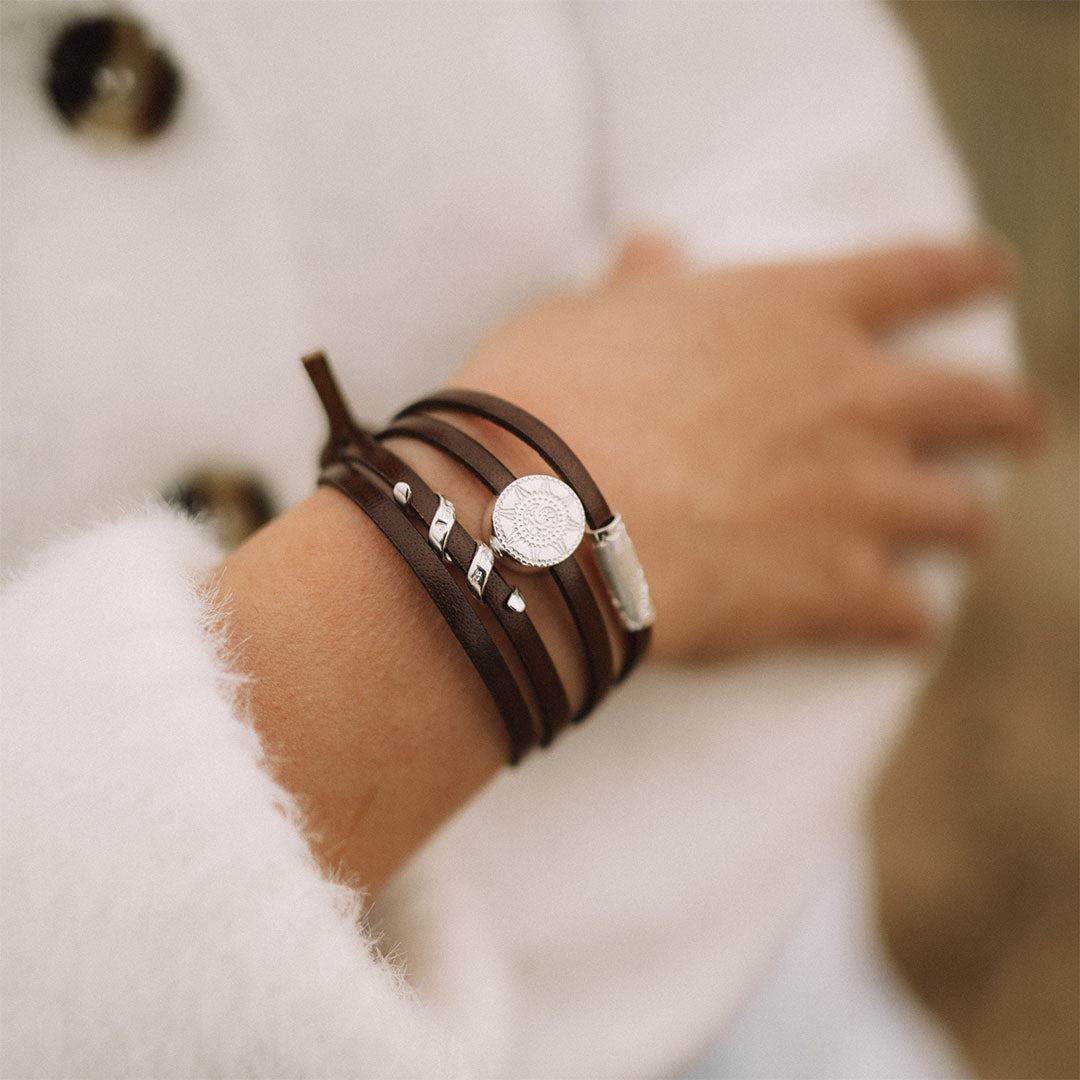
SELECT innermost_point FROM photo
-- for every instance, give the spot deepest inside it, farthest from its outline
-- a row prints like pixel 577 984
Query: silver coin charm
pixel 537 521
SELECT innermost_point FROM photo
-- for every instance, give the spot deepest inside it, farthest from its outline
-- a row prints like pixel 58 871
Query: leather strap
pixel 448 598
pixel 529 430
pixel 554 451
pixel 568 575
pixel 342 425
pixel 461 547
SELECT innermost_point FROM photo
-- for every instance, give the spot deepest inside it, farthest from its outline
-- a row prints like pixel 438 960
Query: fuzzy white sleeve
pixel 161 913
pixel 763 131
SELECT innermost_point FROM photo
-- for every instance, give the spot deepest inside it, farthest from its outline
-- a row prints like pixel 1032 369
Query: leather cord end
pixel 342 424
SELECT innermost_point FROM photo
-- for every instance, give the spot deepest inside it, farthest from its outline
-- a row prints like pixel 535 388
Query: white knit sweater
pixel 389 181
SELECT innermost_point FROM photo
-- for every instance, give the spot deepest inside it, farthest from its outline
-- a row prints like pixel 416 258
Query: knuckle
pixel 861 571
pixel 855 398
pixel 871 406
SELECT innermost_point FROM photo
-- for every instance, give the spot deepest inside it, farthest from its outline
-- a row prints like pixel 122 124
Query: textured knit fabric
pixel 390 181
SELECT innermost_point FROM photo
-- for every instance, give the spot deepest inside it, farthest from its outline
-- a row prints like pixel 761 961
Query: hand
pixel 770 456
pixel 767 454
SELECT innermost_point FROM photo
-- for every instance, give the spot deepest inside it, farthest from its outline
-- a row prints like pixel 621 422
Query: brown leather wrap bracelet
pixel 461 548
pixel 356 463
pixel 568 575
pixel 536 434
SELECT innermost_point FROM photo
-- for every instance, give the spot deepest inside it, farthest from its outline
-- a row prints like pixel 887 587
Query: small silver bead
pixel 442 522
pixel 480 569
pixel 402 493
pixel 516 602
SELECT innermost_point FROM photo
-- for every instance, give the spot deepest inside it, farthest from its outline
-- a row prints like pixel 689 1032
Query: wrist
pixel 346 667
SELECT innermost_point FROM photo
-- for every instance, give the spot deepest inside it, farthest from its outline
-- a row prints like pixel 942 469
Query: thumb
pixel 646 253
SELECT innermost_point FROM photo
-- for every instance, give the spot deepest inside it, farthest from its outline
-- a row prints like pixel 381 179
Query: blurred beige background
pixel 977 817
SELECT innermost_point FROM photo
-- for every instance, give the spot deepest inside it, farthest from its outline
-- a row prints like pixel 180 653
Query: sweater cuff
pixel 162 914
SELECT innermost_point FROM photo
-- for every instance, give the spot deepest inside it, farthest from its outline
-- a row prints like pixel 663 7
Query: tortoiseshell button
pixel 110 81
pixel 235 504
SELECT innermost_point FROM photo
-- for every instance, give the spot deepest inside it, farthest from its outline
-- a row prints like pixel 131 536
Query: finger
pixel 884 288
pixel 919 505
pixel 646 253
pixel 850 592
pixel 944 410
pixel 894 614
pixel 881 606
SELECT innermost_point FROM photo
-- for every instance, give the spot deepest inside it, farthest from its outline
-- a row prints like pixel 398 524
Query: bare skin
pixel 770 459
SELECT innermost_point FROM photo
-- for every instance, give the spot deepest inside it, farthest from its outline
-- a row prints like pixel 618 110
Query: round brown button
pixel 108 80
pixel 235 504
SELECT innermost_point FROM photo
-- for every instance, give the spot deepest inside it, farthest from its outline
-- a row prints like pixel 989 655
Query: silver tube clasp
pixel 623 574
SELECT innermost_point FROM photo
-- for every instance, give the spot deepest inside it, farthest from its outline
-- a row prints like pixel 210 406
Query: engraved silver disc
pixel 537 521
